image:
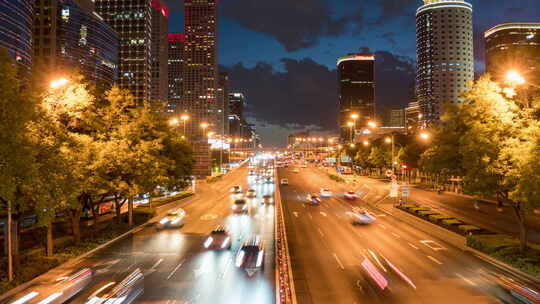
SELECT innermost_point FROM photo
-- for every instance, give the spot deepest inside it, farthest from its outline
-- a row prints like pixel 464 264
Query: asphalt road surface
pixel 176 267
pixel 327 250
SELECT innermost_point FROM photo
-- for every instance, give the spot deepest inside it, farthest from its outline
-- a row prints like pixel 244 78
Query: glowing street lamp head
pixel 331 141
pixel 366 143
pixel 184 117
pixel 372 124
pixel 388 140
pixel 354 116
pixel 340 146
pixel 352 145
pixel 513 77
pixel 321 139
pixel 350 124
pixel 204 125
pixel 59 82
pixel 424 135
pixel 173 121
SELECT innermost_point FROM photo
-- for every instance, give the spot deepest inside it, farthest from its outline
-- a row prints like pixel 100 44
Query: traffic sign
pixel 405 190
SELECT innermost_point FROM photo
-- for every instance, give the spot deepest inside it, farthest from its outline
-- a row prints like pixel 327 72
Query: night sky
pixel 282 53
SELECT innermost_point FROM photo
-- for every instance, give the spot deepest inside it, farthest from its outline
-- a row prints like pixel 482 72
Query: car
pixel 284 181
pixel 351 195
pixel 251 193
pixel 128 287
pixel 326 192
pixel 382 275
pixel 313 199
pixel 362 217
pixel 218 239
pixel 173 219
pixel 268 199
pixel 63 289
pixel 250 257
pixel 296 170
pixel 236 189
pixel 240 206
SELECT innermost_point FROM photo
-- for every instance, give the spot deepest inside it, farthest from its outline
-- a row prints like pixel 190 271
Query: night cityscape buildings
pixel 132 20
pixel 513 47
pixel 356 86
pixel 16 30
pixel 175 64
pixel 444 49
pixel 223 104
pixel 160 48
pixel 69 35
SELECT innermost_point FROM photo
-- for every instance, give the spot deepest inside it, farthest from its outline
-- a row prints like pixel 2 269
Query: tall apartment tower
pixel 160 49
pixel 16 30
pixel 356 85
pixel 132 20
pixel 200 64
pixel 513 46
pixel 69 35
pixel 444 50
pixel 223 104
pixel 176 43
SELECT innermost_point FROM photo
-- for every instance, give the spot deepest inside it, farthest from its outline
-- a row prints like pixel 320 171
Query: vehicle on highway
pixel 313 199
pixel 326 192
pixel 240 206
pixel 173 219
pixel 382 275
pixel 63 289
pixel 236 189
pixel 268 199
pixel 510 287
pixel 362 217
pixel 250 257
pixel 218 239
pixel 124 291
pixel 351 195
pixel 284 181
pixel 251 193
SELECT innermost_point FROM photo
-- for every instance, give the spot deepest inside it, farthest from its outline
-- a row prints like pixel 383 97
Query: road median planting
pixel 336 178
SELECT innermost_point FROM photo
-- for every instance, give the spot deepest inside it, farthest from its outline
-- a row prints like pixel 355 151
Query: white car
pixel 326 193
pixel 284 181
pixel 251 193
pixel 173 219
pixel 362 217
pixel 351 195
pixel 218 239
pixel 240 206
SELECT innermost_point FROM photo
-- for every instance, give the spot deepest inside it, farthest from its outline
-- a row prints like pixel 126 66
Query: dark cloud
pixel 392 9
pixel 296 24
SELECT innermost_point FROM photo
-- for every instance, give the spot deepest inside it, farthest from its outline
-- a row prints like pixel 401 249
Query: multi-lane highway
pixel 176 267
pixel 327 252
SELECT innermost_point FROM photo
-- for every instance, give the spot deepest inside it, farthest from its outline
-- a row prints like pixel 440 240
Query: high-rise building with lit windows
pixel 176 43
pixel 513 46
pixel 132 20
pixel 223 103
pixel 16 30
pixel 200 63
pixel 356 85
pixel 70 36
pixel 160 48
pixel 444 50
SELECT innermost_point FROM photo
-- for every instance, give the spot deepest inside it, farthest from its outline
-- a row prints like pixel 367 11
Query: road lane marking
pixel 396 235
pixel 338 261
pixel 413 246
pixel 156 264
pixel 295 214
pixel 323 213
pixel 434 260
pixel 382 226
pixel 465 279
pixel 209 217
pixel 433 245
pixel 175 269
pixel 379 215
pixel 310 216
pixel 226 271
pixel 320 231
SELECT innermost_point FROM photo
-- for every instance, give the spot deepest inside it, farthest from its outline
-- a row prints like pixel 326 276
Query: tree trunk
pixel 523 231
pixel 117 209
pixel 16 243
pixel 76 224
pixel 130 211
pixel 50 240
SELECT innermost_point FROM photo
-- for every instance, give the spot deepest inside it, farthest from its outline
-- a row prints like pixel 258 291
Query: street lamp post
pixel 184 118
pixel 351 125
pixel 391 140
pixel 204 125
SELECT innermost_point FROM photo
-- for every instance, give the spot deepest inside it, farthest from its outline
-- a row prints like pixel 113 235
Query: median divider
pixel 285 292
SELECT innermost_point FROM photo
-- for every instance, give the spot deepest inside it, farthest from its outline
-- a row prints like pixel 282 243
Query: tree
pixel 377 157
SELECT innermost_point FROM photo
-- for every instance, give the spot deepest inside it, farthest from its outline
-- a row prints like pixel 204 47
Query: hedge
pixel 452 221
pixel 426 212
pixel 336 178
pixel 166 200
pixel 469 228
pixel 438 217
pixel 214 179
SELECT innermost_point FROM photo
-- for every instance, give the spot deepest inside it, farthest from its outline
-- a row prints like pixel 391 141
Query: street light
pixel 391 140
pixel 204 125
pixel 59 82
pixel 424 135
pixel 174 122
pixel 351 125
pixel 366 143
pixel 372 124
pixel 352 145
pixel 514 78
pixel 184 118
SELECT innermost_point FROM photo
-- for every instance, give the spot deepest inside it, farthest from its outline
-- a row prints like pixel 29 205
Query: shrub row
pixel 214 179
pixel 166 200
pixel 336 178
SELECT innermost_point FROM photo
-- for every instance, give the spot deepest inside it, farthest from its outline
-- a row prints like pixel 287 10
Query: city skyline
pixel 386 28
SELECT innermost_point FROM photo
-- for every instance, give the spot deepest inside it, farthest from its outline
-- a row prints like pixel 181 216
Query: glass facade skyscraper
pixel 176 43
pixel 356 85
pixel 160 47
pixel 444 50
pixel 16 30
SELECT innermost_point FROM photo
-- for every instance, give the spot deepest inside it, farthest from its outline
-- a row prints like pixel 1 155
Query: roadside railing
pixel 285 293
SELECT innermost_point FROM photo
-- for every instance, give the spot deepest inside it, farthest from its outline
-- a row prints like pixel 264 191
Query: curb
pixel 84 255
pixel 454 239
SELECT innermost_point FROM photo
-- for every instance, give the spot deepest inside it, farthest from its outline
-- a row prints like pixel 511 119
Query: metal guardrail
pixel 285 292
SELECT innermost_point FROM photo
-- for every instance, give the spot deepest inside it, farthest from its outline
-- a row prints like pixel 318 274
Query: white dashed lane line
pixel 434 260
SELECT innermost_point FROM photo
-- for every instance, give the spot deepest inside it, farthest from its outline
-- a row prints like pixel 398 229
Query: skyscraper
pixel 444 49
pixel 200 63
pixel 131 19
pixel 237 103
pixel 513 46
pixel 160 48
pixel 356 85
pixel 223 103
pixel 176 43
pixel 16 30
pixel 68 34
